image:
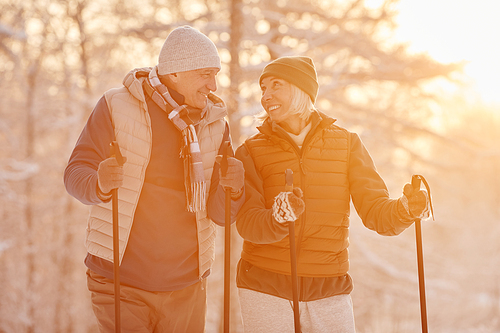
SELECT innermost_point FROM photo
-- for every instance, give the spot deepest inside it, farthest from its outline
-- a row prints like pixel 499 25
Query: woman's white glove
pixel 288 206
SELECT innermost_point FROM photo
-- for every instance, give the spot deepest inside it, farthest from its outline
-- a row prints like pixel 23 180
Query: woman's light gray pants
pixel 266 313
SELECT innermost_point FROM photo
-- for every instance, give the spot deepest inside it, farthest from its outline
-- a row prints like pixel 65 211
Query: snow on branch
pixel 6 31
pixel 13 170
pixel 4 245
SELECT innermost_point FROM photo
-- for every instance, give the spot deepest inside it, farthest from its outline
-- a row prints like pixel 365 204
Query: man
pixel 169 128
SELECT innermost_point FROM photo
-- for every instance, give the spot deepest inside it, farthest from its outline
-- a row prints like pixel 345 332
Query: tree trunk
pixel 234 71
pixel 28 209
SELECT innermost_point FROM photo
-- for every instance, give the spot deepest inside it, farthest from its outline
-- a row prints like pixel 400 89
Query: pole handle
pixel 226 152
pixel 115 151
pixel 416 181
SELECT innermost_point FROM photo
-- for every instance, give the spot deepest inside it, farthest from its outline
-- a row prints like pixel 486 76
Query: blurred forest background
pixel 57 57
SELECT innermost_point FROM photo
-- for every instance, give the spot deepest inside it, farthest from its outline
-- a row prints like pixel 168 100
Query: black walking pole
pixel 227 240
pixel 415 183
pixel 115 151
pixel 293 257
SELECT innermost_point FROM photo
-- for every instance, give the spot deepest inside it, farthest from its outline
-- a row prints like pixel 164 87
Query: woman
pixel 330 165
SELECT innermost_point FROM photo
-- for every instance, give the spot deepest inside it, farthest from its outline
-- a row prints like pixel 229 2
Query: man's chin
pixel 202 105
pixel 198 104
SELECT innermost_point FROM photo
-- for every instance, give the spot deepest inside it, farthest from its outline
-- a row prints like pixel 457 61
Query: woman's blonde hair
pixel 301 104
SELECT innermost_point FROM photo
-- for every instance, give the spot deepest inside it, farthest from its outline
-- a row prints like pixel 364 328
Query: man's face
pixel 195 85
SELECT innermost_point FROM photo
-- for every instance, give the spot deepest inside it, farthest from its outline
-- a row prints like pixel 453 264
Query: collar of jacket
pixel 319 121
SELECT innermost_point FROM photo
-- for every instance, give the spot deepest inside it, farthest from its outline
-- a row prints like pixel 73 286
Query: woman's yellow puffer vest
pixel 320 170
pixel 132 126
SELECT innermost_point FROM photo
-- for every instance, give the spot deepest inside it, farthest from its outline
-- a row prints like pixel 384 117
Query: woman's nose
pixel 266 95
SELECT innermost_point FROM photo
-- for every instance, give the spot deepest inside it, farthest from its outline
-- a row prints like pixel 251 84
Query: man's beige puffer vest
pixel 132 126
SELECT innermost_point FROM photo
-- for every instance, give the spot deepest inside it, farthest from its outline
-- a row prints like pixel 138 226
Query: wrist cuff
pixel 105 197
pixel 237 195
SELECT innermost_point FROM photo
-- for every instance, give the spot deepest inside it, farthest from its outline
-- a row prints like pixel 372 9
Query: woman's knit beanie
pixel 187 49
pixel 297 70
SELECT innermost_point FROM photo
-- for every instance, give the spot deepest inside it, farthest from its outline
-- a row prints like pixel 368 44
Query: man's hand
pixel 235 175
pixel 109 175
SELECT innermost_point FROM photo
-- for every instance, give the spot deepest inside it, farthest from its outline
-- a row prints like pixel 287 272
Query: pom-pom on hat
pixel 187 49
pixel 297 70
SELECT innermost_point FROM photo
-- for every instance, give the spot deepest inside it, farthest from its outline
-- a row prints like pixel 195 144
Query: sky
pixel 456 30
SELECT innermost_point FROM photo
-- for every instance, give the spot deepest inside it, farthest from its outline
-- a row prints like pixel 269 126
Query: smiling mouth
pixel 273 107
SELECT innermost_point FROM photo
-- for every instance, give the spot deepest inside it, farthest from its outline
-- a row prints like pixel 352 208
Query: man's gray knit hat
pixel 187 49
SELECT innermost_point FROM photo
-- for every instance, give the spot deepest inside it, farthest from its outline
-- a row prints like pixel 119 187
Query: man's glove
pixel 414 203
pixel 288 206
pixel 109 175
pixel 234 178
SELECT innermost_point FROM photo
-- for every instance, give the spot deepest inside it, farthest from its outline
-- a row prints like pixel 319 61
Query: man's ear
pixel 173 77
pixel 169 80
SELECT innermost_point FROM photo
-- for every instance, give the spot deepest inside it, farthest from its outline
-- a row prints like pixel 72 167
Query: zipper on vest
pixel 301 156
pixel 301 165
pixel 303 216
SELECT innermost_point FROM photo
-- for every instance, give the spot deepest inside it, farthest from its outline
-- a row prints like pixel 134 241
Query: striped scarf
pixel 194 176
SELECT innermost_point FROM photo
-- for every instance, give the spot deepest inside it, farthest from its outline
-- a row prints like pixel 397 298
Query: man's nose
pixel 212 84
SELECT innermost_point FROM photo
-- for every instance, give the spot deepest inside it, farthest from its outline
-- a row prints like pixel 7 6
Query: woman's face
pixel 276 97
